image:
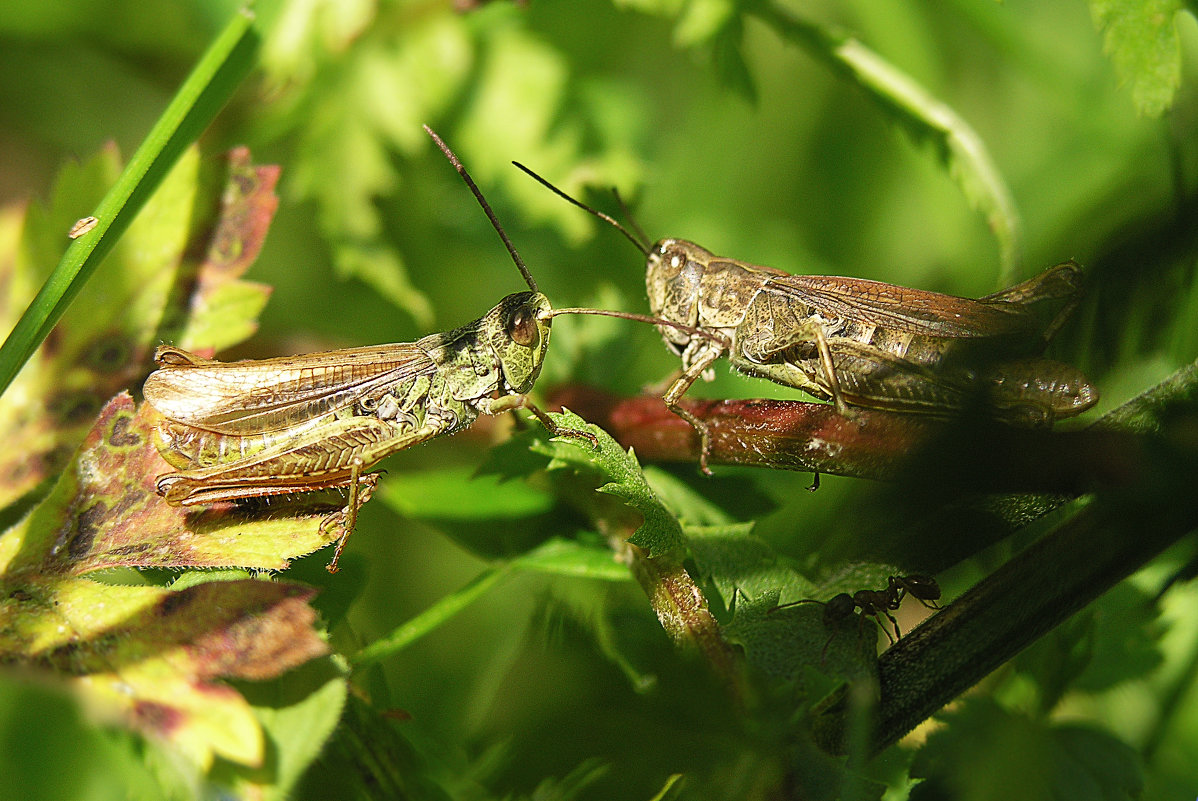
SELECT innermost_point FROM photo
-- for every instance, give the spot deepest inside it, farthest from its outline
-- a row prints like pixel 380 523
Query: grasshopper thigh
pixel 316 459
pixel 1038 391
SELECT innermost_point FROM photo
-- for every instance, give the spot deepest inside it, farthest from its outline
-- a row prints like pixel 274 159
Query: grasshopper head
pixel 519 333
pixel 673 275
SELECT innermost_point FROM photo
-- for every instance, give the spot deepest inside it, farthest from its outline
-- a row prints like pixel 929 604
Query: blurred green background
pixel 717 130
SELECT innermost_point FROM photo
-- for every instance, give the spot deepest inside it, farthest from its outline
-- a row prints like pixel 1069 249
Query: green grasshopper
pixel 251 429
pixel 239 430
pixel 861 343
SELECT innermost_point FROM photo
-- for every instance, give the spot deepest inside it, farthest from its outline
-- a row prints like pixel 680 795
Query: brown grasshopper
pixel 251 429
pixel 858 342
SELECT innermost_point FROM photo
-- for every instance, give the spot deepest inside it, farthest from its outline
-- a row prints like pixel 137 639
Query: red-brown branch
pixel 880 445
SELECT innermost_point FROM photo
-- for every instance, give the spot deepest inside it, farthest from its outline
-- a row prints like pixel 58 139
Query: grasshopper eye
pixel 672 259
pixel 522 328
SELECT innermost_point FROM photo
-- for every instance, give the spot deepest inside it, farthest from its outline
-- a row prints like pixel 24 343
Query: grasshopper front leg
pixel 509 403
pixel 695 364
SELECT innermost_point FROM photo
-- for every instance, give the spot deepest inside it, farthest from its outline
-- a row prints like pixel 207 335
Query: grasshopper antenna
pixel 627 212
pixel 640 244
pixel 694 331
pixel 482 201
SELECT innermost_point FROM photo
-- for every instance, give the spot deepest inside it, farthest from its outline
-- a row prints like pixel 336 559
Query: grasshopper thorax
pixel 518 332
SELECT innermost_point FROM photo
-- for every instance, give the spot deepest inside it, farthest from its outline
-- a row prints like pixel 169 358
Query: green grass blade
pixel 428 620
pixel 197 102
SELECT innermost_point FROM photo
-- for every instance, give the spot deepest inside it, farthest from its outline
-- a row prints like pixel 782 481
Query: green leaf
pixel 298 713
pixel 459 493
pixel 49 726
pixel 984 752
pixel 520 71
pixel 690 506
pixel 574 784
pixel 728 53
pixel 702 20
pixel 569 558
pixel 382 268
pixel 554 557
pixel 923 116
pixel 514 457
pixel 736 561
pixel 788 643
pixel 494 518
pixel 665 8
pixel 369 100
pixel 1114 641
pixel 427 621
pixel 660 533
pixel 372 757
pixel 1141 38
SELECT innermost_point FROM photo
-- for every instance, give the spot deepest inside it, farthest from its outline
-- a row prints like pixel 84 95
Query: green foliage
pixel 1035 759
pixel 659 534
pixel 527 616
pixel 201 96
pixel 1141 38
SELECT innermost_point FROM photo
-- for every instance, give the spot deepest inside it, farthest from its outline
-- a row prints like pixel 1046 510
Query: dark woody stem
pixel 1138 461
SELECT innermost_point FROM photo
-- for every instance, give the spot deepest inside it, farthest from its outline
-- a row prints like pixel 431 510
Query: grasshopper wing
pixel 253 397
pixel 898 308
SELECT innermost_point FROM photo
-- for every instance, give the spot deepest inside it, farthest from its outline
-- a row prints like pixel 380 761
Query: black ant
pixel 877 603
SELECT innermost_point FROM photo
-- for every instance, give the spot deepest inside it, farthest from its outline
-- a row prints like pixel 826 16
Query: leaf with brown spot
pixel 224 309
pixel 104 513
pixel 154 656
pixel 152 288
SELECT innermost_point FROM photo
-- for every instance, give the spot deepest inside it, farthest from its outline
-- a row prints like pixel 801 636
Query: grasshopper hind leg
pixel 1036 392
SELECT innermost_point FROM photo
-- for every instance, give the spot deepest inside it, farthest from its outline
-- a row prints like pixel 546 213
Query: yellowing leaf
pixel 153 656
pixel 223 308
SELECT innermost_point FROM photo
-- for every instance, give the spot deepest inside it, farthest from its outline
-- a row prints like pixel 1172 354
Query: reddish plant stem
pixel 873 444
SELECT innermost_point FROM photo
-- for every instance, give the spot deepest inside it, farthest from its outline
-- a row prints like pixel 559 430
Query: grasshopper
pixel 858 342
pixel 252 429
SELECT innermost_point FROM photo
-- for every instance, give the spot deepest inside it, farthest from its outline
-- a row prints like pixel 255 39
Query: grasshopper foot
pixel 580 434
pixel 336 520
